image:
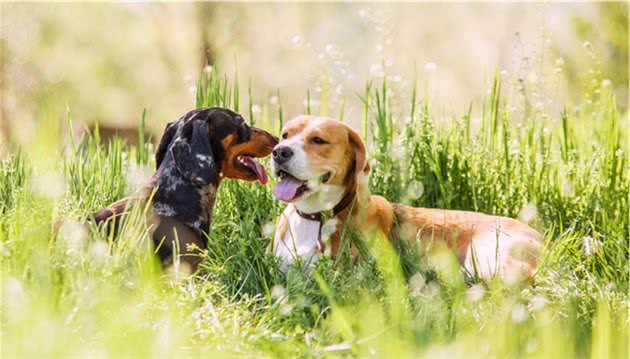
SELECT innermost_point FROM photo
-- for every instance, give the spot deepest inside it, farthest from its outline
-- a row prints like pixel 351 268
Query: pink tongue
pixel 258 169
pixel 286 189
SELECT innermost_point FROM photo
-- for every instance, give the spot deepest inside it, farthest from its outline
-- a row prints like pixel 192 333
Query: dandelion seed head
pixel 273 100
pixel 537 303
pixel 417 283
pixel 606 83
pixel 415 189
pixel 430 67
pixel 207 69
pixel 72 235
pixel 268 229
pixel 51 185
pixel 277 292
pixel 138 175
pixel 475 293
pixel 99 249
pixel 14 297
pixel 566 188
pixel 255 108
pixel 519 313
pixel 528 213
pixel 296 39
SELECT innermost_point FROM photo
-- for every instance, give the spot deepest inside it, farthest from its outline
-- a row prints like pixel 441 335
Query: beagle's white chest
pixel 299 241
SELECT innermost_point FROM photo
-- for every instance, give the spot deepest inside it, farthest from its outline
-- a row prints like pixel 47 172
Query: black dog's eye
pixel 318 140
pixel 285 135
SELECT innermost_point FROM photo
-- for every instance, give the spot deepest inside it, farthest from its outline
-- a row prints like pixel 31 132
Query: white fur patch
pixel 300 241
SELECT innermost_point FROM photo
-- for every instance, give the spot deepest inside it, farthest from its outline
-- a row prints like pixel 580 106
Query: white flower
pixel 606 83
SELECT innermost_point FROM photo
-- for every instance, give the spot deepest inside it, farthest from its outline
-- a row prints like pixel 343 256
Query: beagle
pixel 322 168
pixel 195 154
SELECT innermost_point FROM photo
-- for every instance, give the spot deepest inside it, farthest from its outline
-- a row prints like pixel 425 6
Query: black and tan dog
pixel 195 154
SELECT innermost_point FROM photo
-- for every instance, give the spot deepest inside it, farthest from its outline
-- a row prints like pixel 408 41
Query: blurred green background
pixel 107 62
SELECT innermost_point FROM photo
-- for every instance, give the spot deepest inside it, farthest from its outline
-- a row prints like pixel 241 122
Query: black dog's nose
pixel 282 154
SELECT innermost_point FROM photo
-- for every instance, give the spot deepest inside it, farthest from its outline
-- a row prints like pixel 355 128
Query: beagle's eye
pixel 285 135
pixel 318 140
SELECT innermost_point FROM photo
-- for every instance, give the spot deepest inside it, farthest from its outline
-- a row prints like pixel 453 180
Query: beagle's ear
pixel 192 153
pixel 165 142
pixel 360 154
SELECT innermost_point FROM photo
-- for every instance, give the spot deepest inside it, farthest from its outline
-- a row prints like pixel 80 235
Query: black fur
pixel 188 160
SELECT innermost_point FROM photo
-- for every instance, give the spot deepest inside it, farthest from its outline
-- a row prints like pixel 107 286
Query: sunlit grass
pixel 74 291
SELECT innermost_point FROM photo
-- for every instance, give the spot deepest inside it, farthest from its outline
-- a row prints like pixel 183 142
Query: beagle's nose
pixel 281 154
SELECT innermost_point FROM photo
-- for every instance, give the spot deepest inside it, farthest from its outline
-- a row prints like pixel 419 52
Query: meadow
pixel 72 290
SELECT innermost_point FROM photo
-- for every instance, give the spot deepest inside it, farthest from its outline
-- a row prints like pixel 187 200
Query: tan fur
pixel 473 237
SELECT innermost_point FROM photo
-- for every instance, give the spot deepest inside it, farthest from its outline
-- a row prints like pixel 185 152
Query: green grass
pixel 74 291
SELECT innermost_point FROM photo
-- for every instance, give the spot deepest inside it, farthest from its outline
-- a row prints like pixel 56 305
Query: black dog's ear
pixel 165 142
pixel 192 153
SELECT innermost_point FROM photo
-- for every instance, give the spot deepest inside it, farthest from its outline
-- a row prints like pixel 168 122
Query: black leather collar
pixel 321 217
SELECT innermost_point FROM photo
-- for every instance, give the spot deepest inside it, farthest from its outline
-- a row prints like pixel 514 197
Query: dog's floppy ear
pixel 192 153
pixel 165 142
pixel 360 154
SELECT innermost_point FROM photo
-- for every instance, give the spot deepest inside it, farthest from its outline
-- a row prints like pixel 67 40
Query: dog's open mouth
pixel 289 187
pixel 248 163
